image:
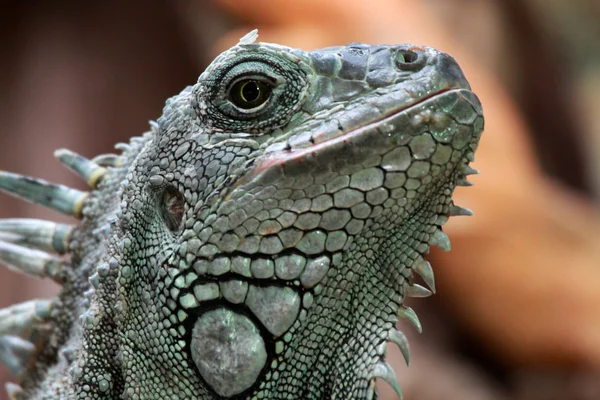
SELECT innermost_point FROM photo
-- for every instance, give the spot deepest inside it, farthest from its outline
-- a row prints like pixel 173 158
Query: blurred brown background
pixel 517 314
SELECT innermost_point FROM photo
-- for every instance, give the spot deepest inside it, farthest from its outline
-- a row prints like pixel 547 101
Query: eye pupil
pixel 249 93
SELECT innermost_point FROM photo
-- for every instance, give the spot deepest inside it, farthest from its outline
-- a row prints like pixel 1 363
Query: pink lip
pixel 297 155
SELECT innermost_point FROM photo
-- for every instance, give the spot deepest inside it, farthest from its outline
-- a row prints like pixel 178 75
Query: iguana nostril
pixel 407 57
pixel 409 60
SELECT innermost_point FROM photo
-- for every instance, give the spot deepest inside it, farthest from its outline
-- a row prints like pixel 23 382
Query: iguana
pixel 258 242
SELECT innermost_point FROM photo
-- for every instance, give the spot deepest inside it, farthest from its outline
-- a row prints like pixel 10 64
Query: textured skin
pixel 265 253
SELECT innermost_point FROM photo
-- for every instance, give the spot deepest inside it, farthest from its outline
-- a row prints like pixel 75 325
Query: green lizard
pixel 258 242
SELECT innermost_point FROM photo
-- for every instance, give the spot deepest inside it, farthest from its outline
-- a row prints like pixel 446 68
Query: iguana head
pixel 266 231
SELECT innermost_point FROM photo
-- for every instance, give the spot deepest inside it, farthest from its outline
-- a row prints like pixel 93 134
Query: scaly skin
pixel 257 253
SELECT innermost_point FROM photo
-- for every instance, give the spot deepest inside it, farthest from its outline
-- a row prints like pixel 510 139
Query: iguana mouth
pixel 390 131
pixel 383 120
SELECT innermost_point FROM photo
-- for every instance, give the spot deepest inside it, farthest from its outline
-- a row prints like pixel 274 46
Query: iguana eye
pixel 252 91
pixel 249 93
